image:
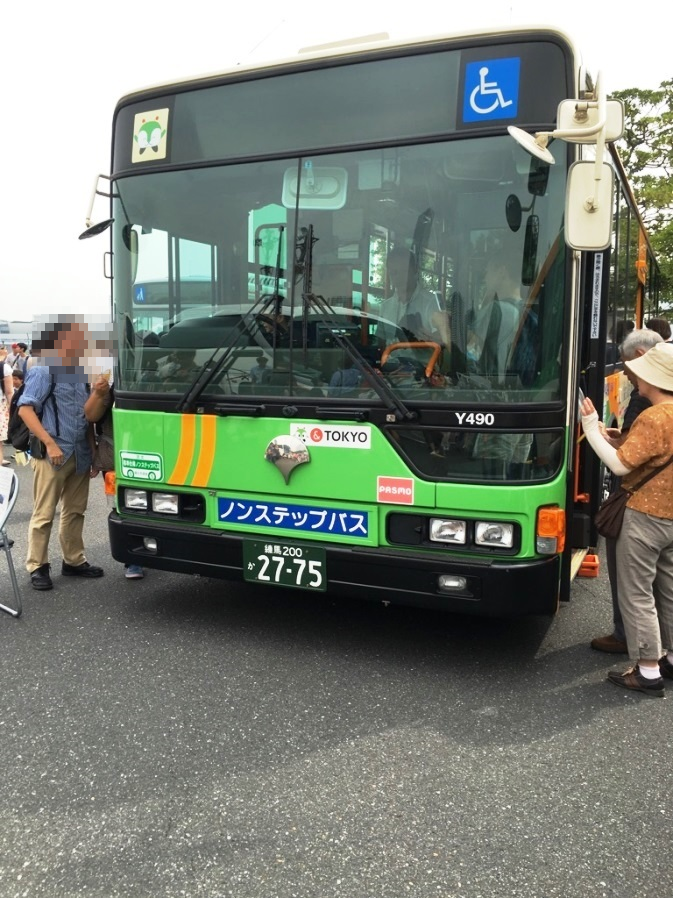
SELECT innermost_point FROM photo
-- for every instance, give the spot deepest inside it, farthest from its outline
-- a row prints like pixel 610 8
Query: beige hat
pixel 655 366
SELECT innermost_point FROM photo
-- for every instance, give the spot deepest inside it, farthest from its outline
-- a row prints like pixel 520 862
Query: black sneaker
pixel 666 668
pixel 633 679
pixel 40 579
pixel 81 570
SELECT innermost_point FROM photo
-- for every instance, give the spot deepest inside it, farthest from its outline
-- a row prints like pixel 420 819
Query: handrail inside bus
pixel 434 358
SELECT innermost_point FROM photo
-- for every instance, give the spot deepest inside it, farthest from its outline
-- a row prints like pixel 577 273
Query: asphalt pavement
pixel 179 736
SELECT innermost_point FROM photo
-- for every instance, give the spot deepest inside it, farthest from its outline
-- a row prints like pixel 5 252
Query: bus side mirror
pixel 538 177
pixel 589 206
pixel 574 118
pixel 513 212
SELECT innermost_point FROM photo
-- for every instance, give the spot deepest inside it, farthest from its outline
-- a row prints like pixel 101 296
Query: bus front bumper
pixel 493 588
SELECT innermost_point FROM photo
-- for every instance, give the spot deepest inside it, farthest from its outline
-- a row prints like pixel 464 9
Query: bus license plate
pixel 284 564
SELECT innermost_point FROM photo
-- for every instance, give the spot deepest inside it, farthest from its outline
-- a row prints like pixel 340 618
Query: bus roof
pixel 354 47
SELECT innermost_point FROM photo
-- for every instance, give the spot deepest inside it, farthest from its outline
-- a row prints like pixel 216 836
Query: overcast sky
pixel 64 66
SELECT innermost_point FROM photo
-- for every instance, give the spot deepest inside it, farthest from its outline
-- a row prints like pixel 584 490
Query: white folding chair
pixel 9 490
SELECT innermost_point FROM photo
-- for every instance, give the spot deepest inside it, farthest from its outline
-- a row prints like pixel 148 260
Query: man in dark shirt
pixel 52 407
pixel 635 344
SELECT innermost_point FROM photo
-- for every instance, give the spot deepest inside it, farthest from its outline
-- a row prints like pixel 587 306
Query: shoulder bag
pixel 609 517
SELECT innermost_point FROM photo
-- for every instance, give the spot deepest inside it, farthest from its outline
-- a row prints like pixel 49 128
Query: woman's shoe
pixel 633 679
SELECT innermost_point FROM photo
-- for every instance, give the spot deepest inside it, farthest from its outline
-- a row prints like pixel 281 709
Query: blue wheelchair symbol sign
pixel 139 295
pixel 491 89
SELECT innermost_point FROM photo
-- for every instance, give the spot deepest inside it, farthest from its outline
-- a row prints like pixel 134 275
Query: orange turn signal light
pixel 551 524
pixel 110 483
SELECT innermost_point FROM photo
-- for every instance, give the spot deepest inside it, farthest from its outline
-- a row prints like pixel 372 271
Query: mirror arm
pixel 96 192
pixel 543 137
pixel 591 203
pixel 600 148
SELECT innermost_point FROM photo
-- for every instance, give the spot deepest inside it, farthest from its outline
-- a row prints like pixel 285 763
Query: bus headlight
pixel 444 530
pixel 135 499
pixel 165 503
pixel 492 533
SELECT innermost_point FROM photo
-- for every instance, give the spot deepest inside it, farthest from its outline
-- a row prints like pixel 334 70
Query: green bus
pixel 298 412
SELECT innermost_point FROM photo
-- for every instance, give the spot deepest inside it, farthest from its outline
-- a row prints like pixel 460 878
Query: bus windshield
pixel 441 264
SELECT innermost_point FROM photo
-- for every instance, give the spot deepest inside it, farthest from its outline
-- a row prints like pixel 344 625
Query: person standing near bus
pixel 21 358
pixel 98 410
pixel 12 354
pixel 645 543
pixel 6 394
pixel 637 343
pixel 52 407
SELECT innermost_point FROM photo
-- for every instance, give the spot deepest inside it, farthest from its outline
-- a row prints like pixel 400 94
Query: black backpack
pixel 17 431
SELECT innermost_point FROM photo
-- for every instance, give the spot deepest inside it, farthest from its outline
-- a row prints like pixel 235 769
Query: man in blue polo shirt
pixel 52 407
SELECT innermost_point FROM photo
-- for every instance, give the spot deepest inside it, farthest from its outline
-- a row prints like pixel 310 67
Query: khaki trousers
pixel 645 584
pixel 51 485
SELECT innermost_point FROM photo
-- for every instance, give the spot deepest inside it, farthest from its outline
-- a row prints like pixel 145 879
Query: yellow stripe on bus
pixel 186 451
pixel 207 453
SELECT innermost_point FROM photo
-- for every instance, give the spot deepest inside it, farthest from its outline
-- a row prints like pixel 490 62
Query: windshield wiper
pixel 397 409
pixel 210 369
pixel 213 365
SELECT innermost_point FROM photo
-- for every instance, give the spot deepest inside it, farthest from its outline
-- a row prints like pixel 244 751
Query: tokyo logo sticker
pixel 333 436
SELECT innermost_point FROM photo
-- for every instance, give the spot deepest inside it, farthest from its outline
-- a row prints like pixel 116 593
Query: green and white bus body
pixel 252 216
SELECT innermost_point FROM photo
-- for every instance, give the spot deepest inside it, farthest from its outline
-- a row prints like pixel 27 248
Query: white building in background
pixel 15 332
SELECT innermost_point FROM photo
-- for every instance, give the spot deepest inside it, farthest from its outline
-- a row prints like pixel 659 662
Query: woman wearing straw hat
pixel 645 543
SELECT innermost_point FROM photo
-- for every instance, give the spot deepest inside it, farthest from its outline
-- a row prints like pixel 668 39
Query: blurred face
pixel 71 344
pixel 16 381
